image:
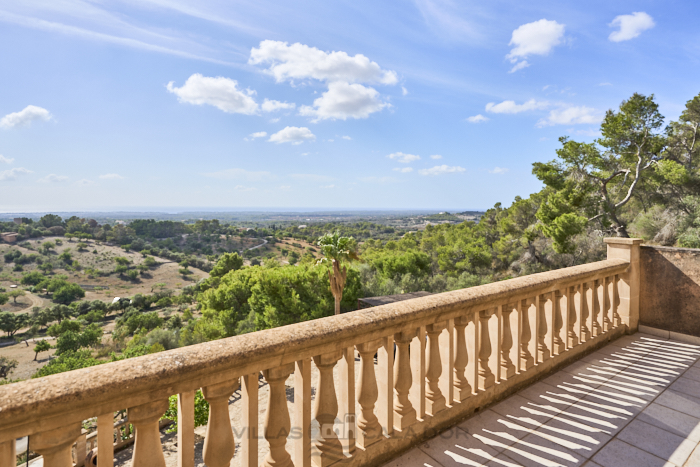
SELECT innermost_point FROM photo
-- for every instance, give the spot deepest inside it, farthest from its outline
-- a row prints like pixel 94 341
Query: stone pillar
pixel 462 387
pixel 526 358
pixel 148 451
pixel 369 429
pixel 326 448
pixel 185 430
pixel 435 400
pixel 507 369
pixel 219 445
pixel 404 413
pixel 8 456
pixel 486 378
pixel 56 445
pixel 277 422
pixel 629 281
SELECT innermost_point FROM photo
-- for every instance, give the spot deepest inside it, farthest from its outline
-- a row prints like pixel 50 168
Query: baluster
pixel 462 387
pixel 507 368
pixel 435 401
pixel 346 398
pixel 219 445
pixel 526 358
pixel 607 304
pixel 615 301
pixel 8 454
pixel 249 419
pixel 81 449
pixel 148 451
pixel 558 345
pixel 595 309
pixel 326 447
pixel 404 413
pixel 542 350
pixel 585 313
pixel 385 402
pixel 571 337
pixel 369 429
pixel 277 422
pixel 185 429
pixel 56 445
pixel 417 392
pixel 105 440
pixel 485 375
pixel 302 413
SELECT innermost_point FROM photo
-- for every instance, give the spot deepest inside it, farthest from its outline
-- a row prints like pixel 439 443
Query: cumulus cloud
pixel 53 178
pixel 13 173
pixel 239 174
pixel 403 170
pixel 404 91
pixel 292 134
pixel 222 93
pixel 343 101
pixel 403 158
pixel 257 134
pixel 498 170
pixel 477 119
pixel 630 26
pixel 272 106
pixel 571 116
pixel 441 169
pixel 510 107
pixel 436 156
pixel 24 117
pixel 6 160
pixel 346 137
pixel 299 61
pixel 111 177
pixel 536 38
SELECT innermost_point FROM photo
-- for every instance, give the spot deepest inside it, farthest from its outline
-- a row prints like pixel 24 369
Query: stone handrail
pixel 455 352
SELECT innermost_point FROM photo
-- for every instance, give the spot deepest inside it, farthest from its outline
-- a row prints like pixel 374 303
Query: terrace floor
pixel 635 402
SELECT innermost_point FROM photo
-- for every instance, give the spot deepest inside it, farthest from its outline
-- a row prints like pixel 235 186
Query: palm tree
pixel 336 249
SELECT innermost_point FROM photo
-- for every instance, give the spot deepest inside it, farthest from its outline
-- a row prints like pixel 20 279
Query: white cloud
pixel 436 156
pixel 111 177
pixel 274 120
pixel 346 137
pixel 477 119
pixel 498 170
pixel 441 169
pixel 271 105
pixel 403 158
pixel 343 101
pixel 84 182
pixel 6 160
pixel 299 61
pixel 403 170
pixel 404 91
pixel 519 66
pixel 25 116
pixel 330 140
pixel 239 174
pixel 222 93
pixel 12 173
pixel 53 178
pixel 292 134
pixel 510 107
pixel 257 134
pixel 630 26
pixel 536 38
pixel 571 116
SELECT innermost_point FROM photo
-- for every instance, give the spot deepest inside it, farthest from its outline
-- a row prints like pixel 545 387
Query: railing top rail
pixel 112 385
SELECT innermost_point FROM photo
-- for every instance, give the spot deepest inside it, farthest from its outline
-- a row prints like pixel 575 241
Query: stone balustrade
pixel 438 359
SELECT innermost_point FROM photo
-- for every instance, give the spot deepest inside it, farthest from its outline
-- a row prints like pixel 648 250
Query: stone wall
pixel 670 289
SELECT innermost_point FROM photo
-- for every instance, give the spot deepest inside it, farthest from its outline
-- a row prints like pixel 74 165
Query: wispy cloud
pixel 239 174
pixel 6 160
pixel 53 178
pixel 403 169
pixel 441 169
pixel 477 119
pixel 631 26
pixel 13 173
pixel 498 170
pixel 111 177
pixel 403 158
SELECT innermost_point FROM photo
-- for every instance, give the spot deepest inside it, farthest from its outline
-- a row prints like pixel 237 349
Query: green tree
pixel 32 278
pixel 51 220
pixel 67 362
pixel 593 181
pixel 337 249
pixel 71 341
pixel 227 262
pixel 68 293
pixel 15 294
pixel 47 246
pixel 7 365
pixel 41 346
pixel 11 322
pixel 4 298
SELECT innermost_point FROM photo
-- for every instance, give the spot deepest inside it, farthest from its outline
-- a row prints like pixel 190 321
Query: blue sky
pixel 431 104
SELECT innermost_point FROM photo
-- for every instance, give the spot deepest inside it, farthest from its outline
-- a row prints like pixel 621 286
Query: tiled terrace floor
pixel 635 402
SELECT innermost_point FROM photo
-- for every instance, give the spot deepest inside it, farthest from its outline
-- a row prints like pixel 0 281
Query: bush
pixel 201 411
pixel 32 278
pixel 166 338
pixel 67 362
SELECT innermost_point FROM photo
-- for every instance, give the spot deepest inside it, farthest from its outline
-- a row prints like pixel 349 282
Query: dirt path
pixel 36 301
pixel 258 246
